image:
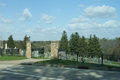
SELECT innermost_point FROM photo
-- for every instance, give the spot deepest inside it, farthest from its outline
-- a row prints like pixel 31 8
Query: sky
pixel 45 20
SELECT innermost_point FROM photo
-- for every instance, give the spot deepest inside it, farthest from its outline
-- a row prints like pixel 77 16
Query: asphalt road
pixel 30 72
pixel 10 71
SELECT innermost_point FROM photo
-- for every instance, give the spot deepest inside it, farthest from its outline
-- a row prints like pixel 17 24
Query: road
pixel 30 72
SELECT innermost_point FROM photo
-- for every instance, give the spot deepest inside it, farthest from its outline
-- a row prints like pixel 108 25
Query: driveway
pixel 9 70
pixel 6 64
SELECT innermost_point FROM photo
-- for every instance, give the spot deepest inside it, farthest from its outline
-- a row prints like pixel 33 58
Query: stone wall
pixel 54 49
pixel 28 49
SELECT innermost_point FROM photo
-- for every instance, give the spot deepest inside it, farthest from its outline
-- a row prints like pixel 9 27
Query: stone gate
pixel 54 49
pixel 28 49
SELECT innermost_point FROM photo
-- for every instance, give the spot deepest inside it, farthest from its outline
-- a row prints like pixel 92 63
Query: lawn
pixel 8 58
pixel 40 58
pixel 69 62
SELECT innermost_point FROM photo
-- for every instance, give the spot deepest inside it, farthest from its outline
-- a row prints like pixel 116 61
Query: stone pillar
pixel 19 51
pixel 54 49
pixel 28 49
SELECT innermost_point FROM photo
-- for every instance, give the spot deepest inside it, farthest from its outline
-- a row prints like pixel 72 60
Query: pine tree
pixel 23 43
pixel 94 47
pixel 97 50
pixel 83 48
pixel 64 41
pixel 71 44
pixel 10 42
pixel 90 47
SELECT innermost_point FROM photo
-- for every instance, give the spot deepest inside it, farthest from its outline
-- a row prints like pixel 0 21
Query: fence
pixel 12 51
pixel 1 50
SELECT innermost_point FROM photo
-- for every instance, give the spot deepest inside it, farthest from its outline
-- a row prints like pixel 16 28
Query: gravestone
pixel 118 61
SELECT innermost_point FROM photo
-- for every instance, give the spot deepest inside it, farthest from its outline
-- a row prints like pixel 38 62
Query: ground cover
pixel 70 62
pixel 40 58
pixel 8 58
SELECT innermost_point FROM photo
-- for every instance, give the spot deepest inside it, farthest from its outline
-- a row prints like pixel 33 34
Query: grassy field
pixel 69 62
pixel 40 58
pixel 8 58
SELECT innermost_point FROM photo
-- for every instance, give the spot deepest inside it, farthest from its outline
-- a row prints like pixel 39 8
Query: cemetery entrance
pixel 37 52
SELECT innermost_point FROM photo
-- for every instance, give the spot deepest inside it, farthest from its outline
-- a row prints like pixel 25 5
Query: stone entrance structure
pixel 54 49
pixel 28 49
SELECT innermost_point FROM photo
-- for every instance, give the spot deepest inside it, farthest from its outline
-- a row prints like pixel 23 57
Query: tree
pixel 64 41
pixel 23 43
pixel 10 42
pixel 90 46
pixel 96 46
pixel 83 48
pixel 71 44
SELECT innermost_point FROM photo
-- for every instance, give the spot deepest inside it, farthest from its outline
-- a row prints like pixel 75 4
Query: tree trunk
pixel 77 56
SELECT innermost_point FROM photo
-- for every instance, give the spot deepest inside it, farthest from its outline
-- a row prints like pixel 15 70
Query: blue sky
pixel 45 20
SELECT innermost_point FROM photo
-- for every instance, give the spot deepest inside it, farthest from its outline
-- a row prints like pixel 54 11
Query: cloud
pixel 48 19
pixel 49 22
pixel 26 13
pixel 100 12
pixel 48 31
pixel 82 24
pixel 111 24
pixel 58 10
pixel 3 4
pixel 81 5
pixel 81 19
pixel 38 22
pixel 107 26
pixel 22 19
pixel 7 21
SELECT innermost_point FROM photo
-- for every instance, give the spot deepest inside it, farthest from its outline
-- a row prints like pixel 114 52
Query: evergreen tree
pixel 64 41
pixel 96 46
pixel 10 42
pixel 83 48
pixel 23 43
pixel 71 44
pixel 90 47
pixel 76 44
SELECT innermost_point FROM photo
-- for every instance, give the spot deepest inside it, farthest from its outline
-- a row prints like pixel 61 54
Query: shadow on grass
pixel 69 62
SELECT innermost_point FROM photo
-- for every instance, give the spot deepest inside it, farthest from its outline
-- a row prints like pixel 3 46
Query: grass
pixel 69 62
pixel 40 58
pixel 8 58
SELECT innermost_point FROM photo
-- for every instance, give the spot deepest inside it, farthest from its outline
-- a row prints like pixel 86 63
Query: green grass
pixel 8 58
pixel 69 62
pixel 40 58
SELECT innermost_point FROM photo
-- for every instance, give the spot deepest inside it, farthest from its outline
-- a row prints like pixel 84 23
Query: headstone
pixel 109 62
pixel 21 52
pixel 100 59
pixel 15 48
pixel 5 45
pixel 118 61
